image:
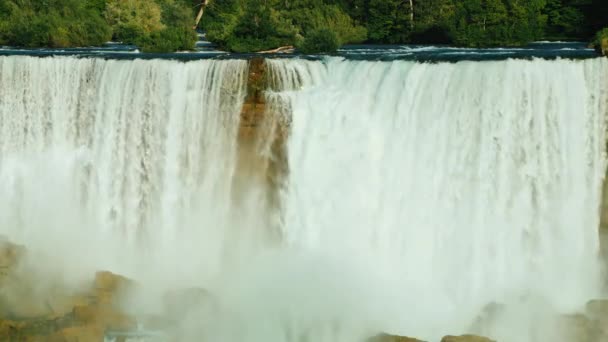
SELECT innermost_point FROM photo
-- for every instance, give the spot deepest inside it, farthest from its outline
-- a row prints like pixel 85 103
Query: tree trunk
pixel 203 4
pixel 412 15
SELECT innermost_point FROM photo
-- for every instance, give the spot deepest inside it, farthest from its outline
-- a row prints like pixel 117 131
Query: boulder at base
pixel 90 314
pixel 597 308
pixel 466 338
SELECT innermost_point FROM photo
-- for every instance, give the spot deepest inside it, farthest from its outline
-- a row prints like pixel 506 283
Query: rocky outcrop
pixel 256 113
pixel 262 154
pixel 85 322
pixel 60 316
pixel 254 106
pixel 85 316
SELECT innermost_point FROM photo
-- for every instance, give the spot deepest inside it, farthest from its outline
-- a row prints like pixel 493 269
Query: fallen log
pixel 282 49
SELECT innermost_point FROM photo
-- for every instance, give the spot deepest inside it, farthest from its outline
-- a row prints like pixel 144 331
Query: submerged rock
pixel 466 338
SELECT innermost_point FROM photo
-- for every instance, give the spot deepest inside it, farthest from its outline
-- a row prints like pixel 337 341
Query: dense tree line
pixel 249 25
pixel 311 25
pixel 154 25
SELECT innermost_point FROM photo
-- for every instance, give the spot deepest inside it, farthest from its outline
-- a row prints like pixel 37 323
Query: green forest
pixel 154 26
pixel 310 25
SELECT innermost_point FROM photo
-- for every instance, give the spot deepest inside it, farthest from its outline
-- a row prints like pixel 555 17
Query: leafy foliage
pixel 600 43
pixel 475 23
pixel 166 40
pixel 320 41
pixel 130 19
pixel 52 23
pixel 254 25
pixel 258 28
pixel 66 23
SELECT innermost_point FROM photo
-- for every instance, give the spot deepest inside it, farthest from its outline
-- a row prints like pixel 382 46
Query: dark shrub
pixel 320 41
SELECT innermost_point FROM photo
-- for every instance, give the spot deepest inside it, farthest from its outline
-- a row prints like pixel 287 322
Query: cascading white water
pixel 101 158
pixel 416 193
pixel 458 185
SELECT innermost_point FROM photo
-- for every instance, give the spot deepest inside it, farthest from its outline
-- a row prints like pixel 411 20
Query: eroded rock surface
pixel 57 316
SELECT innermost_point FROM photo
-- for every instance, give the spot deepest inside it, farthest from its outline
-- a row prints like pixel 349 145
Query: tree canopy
pixel 474 23
pixel 156 25
pixel 311 25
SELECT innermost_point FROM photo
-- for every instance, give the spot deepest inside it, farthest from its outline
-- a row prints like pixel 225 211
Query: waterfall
pixel 100 156
pixel 462 183
pixel 415 195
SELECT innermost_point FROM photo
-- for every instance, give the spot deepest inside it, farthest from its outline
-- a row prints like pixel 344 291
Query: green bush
pixel 128 32
pixel 600 43
pixel 258 29
pixel 167 40
pixel 320 41
pixel 55 24
pixel 330 17
pixel 154 26
pixel 220 19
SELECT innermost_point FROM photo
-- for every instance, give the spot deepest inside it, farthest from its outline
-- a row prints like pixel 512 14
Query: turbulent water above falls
pixel 416 193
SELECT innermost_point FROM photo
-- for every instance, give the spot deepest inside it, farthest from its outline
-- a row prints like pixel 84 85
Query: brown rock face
pixel 466 338
pixel 77 334
pixel 262 157
pixel 254 106
pixel 112 283
pixel 68 318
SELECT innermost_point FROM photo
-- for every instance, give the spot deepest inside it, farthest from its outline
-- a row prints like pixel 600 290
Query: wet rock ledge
pixel 61 315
